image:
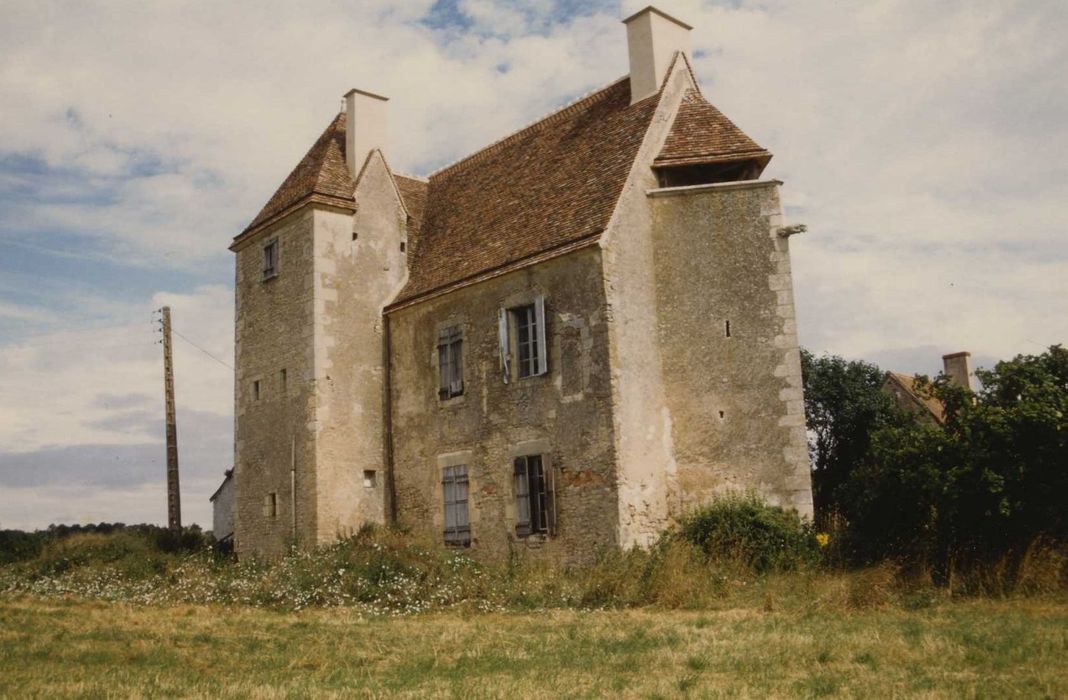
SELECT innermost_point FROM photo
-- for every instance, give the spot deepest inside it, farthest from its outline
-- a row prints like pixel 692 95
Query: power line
pixel 201 349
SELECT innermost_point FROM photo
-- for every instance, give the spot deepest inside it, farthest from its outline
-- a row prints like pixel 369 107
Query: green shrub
pixel 744 529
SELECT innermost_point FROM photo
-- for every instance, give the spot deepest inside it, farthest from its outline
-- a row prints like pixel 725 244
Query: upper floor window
pixel 270 258
pixel 450 362
pixel 525 326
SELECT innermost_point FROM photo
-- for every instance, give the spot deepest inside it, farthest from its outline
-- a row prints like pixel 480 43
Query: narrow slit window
pixel 256 390
pixel 282 379
pixel 404 246
pixel 270 505
pixel 727 328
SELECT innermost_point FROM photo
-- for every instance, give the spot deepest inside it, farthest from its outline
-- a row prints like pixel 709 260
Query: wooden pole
pixel 174 502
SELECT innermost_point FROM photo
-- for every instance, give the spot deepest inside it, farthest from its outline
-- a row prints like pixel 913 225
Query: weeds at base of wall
pixel 382 572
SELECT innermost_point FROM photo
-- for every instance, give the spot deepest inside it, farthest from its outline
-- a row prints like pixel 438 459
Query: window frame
pixel 534 485
pixel 450 362
pixel 455 495
pixel 271 256
pixel 523 340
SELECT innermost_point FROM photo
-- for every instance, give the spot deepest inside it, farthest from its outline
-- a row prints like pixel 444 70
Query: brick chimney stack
pixel 366 127
pixel 653 39
pixel 958 367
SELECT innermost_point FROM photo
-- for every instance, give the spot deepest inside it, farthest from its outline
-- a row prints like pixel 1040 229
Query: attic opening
pixel 708 173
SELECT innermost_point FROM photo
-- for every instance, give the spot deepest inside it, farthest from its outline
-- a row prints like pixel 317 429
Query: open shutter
pixel 543 348
pixel 550 495
pixel 443 370
pixel 522 497
pixel 502 341
pixel 457 386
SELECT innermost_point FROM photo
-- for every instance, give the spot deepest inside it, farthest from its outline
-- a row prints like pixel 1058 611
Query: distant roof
pixel 907 382
pixel 227 476
pixel 702 134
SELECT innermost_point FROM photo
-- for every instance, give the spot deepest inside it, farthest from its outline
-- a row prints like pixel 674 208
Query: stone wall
pixel 272 443
pixel 734 393
pixel 565 414
pixel 354 277
pixel 222 510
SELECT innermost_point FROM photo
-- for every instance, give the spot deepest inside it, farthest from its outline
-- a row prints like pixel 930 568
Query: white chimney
pixel 958 367
pixel 366 127
pixel 653 37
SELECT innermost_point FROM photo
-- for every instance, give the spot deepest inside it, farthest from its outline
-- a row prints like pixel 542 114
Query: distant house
pixel 222 509
pixel 902 387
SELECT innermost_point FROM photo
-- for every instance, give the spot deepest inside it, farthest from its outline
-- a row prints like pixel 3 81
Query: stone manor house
pixel 555 344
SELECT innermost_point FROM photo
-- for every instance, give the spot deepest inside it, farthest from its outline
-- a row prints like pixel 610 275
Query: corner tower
pixel 313 271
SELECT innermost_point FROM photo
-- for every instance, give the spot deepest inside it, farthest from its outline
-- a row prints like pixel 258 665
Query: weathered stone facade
pixel 672 374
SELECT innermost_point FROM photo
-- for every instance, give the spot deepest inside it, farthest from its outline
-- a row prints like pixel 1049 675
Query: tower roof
pixel 321 174
pixel 702 134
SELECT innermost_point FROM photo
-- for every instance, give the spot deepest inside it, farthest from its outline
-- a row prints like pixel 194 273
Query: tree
pixel 844 406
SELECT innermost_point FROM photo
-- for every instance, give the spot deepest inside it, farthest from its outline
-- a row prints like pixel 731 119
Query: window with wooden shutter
pixel 450 363
pixel 270 258
pixel 502 345
pixel 534 496
pixel 457 519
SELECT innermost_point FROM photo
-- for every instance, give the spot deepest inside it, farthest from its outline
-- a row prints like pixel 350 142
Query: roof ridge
pixel 547 120
pixel 409 176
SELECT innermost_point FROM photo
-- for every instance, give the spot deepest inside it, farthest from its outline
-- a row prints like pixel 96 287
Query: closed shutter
pixel 543 349
pixel 456 387
pixel 502 341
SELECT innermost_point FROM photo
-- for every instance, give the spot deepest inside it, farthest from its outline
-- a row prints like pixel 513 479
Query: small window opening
pixel 355 235
pixel 727 328
pixel 282 378
pixel 708 173
pixel 270 506
pixel 256 390
pixel 270 258
pixel 403 246
pixel 721 414
pixel 370 478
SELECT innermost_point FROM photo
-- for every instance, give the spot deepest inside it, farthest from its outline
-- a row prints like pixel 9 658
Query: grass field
pixel 972 648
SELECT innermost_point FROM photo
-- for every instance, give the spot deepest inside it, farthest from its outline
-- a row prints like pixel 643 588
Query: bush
pixel 746 530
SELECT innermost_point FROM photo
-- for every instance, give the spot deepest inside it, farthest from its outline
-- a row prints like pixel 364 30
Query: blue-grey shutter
pixel 522 497
pixel 543 348
pixel 502 341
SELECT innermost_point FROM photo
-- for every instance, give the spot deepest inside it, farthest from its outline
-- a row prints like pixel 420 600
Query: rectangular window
pixel 534 497
pixel 370 478
pixel 256 390
pixel 531 351
pixel 270 505
pixel 270 258
pixel 282 379
pixel 450 362
pixel 457 522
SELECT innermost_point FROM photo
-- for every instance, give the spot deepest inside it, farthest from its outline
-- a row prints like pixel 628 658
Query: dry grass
pixel 849 641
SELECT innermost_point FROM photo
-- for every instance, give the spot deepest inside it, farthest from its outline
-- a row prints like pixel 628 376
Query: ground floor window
pixel 535 508
pixel 457 522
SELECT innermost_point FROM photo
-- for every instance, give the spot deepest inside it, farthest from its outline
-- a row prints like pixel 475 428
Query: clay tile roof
pixel 702 134
pixel 549 185
pixel 321 173
pixel 413 193
pixel 908 383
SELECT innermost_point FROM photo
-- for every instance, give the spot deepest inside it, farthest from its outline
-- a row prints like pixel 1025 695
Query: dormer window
pixel 270 258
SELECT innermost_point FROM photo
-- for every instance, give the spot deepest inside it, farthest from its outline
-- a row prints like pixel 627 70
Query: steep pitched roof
pixel 321 174
pixel 552 184
pixel 413 193
pixel 907 382
pixel 702 134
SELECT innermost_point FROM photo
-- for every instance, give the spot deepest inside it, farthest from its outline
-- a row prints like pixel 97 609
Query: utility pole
pixel 174 502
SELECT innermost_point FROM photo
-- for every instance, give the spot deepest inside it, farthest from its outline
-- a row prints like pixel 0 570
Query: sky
pixel 922 143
